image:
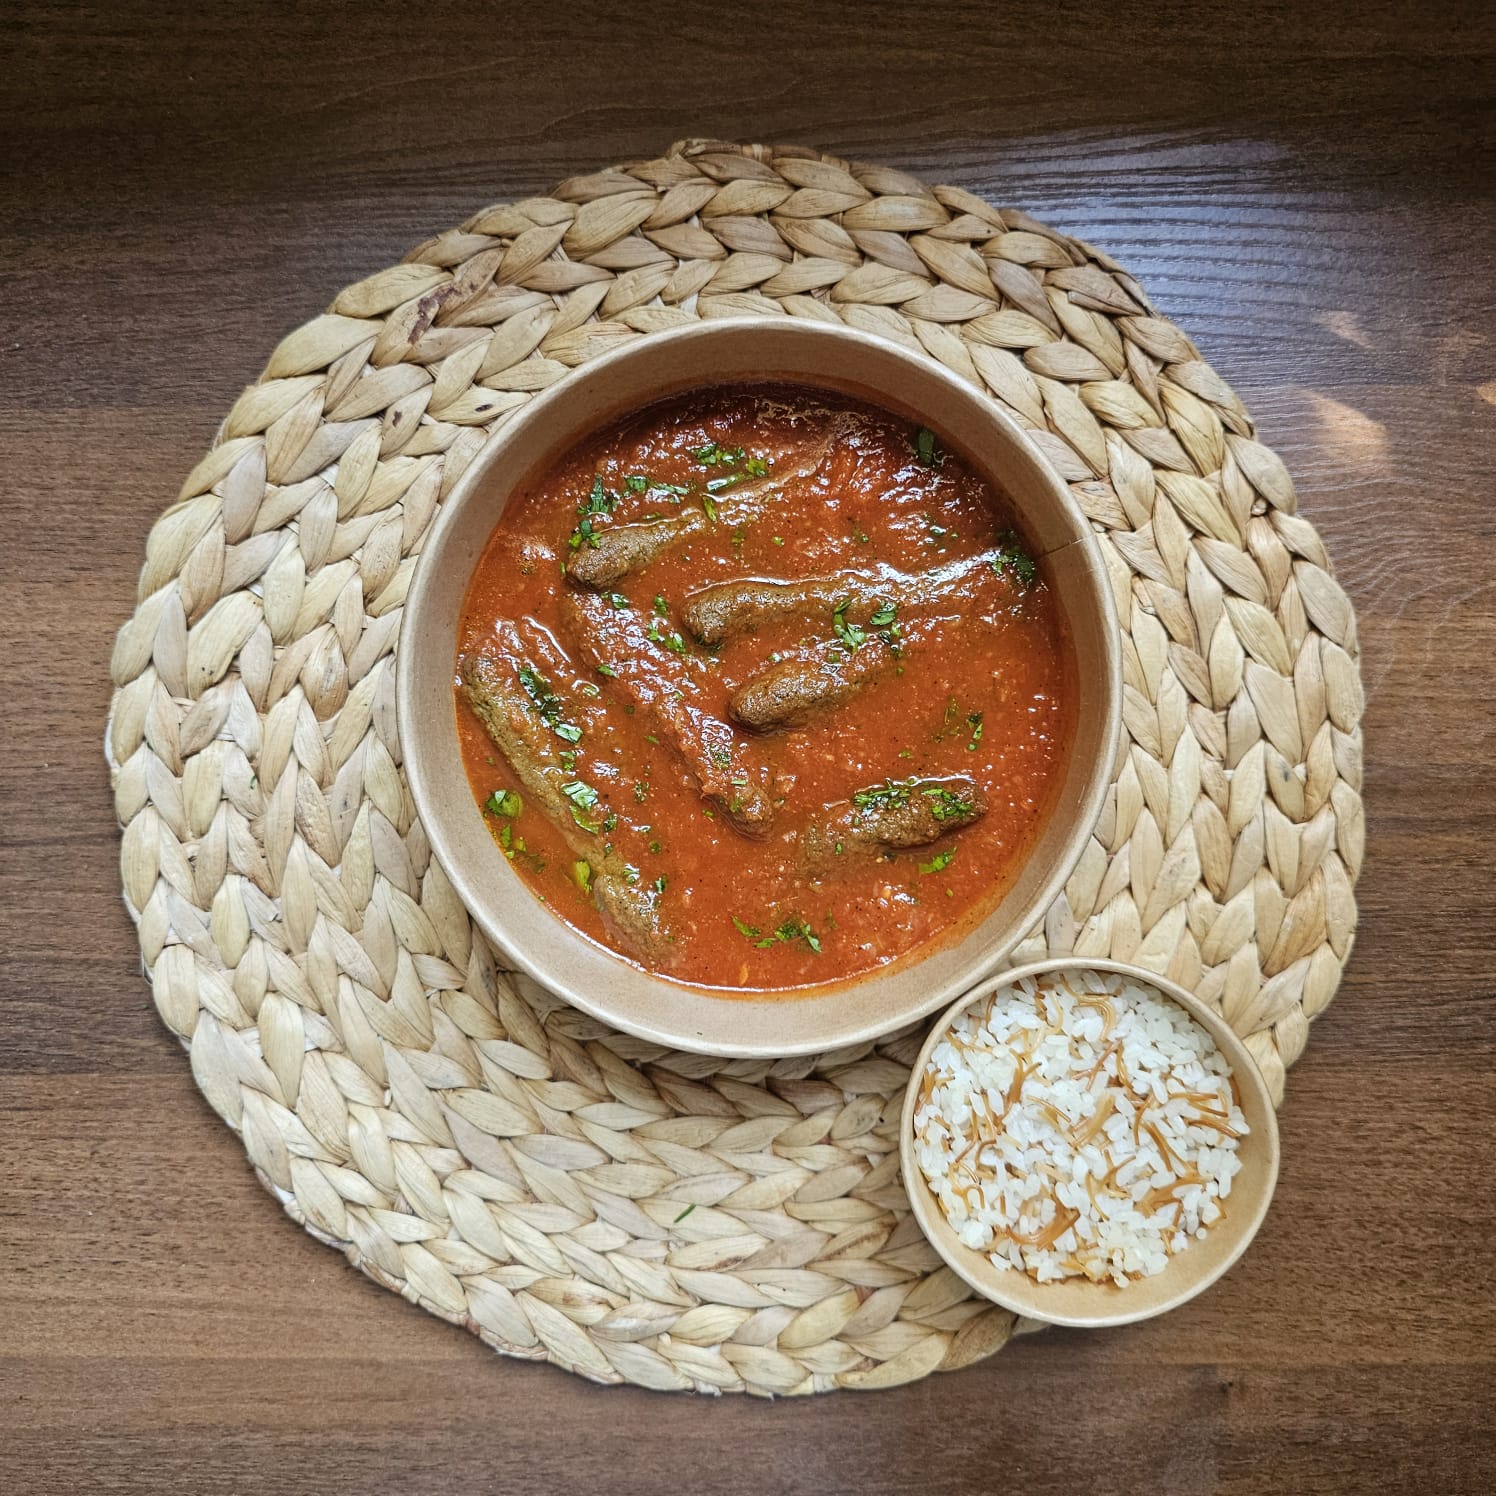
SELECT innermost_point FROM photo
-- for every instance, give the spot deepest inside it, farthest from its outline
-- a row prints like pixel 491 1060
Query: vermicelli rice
pixel 1078 1124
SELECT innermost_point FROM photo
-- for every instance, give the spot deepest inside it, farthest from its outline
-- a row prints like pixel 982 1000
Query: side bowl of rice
pixel 1086 1143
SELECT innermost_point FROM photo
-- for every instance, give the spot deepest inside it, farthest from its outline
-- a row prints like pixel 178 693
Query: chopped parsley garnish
pixel 790 931
pixel 948 805
pixel 580 793
pixel 640 791
pixel 660 883
pixel 889 629
pixel 709 508
pixel 581 875
pixel 668 641
pixel 547 703
pixel 1011 556
pixel 515 848
pixel 974 721
pixel 583 798
pixel 617 599
pixel 508 804
pixel 939 862
pixel 712 455
pixel 636 483
pixel 742 467
pixel 661 607
pixel 890 792
pixel 849 633
pixel 599 500
pixel 797 929
pixel 607 670
pixel 589 688
pixel 926 448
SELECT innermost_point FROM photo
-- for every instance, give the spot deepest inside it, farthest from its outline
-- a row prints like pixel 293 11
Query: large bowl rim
pixel 970 1265
pixel 423 586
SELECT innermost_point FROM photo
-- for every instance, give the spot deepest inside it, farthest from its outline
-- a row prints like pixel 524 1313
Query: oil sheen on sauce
pixel 915 664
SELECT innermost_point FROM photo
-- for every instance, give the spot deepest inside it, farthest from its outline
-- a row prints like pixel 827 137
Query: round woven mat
pixel 463 1136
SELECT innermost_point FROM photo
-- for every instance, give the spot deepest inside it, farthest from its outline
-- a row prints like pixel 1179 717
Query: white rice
pixel 1078 1124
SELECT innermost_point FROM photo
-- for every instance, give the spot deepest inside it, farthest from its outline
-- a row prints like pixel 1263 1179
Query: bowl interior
pixel 1078 1301
pixel 807 1019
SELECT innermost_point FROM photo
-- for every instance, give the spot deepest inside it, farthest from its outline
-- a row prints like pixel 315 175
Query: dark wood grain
pixel 1306 188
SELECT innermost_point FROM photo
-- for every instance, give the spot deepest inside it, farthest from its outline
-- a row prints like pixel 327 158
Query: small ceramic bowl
pixel 1078 1301
pixel 648 369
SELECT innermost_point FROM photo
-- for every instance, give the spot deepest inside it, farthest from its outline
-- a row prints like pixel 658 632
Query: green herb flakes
pixel 507 804
pixel 948 805
pixel 939 862
pixel 580 793
pixel 890 792
pixel 1012 557
pixel 547 703
pixel 926 449
pixel 672 641
pixel 791 930
pixel 583 798
pixel 711 455
pixel 849 633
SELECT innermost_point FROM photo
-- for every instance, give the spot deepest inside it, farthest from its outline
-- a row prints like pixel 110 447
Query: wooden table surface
pixel 1308 190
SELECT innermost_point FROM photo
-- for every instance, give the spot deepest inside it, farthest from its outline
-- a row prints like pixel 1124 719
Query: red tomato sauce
pixel 970 684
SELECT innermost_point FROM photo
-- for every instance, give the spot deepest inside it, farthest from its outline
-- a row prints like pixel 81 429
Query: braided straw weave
pixel 464 1137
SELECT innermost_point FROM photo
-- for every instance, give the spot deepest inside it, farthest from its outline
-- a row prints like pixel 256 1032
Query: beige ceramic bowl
pixel 1080 1302
pixel 649 369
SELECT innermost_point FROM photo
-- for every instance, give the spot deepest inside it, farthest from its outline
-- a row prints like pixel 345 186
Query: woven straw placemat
pixel 464 1137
